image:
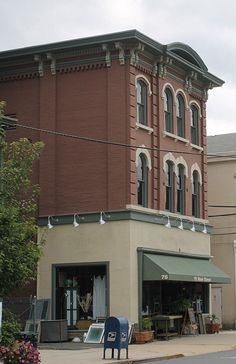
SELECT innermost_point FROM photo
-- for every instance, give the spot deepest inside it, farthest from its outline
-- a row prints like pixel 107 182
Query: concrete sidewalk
pixel 180 346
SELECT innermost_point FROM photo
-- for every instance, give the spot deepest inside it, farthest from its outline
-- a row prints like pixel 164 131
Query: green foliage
pixel 19 252
pixel 146 323
pixel 181 305
pixel 10 328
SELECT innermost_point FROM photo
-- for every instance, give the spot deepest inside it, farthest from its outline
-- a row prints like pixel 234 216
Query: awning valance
pixel 160 267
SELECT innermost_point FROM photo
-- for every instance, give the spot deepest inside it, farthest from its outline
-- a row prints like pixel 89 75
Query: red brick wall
pixel 81 176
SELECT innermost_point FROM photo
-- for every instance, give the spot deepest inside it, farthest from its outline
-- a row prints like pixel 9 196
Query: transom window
pixel 180 116
pixel 194 125
pixel 168 109
pixel 142 179
pixel 141 102
pixel 195 194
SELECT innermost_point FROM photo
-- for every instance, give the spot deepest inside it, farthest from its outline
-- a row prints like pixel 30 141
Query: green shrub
pixel 10 328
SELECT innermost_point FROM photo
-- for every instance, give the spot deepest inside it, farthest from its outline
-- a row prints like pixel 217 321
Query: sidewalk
pixel 72 353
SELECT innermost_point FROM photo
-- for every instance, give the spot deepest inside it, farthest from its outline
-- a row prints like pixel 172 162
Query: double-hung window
pixel 169 186
pixel 141 102
pixel 168 109
pixel 180 116
pixel 181 189
pixel 142 179
pixel 195 194
pixel 194 125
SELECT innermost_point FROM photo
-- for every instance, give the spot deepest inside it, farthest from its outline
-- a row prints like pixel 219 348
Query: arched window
pixel 181 189
pixel 142 179
pixel 194 125
pixel 141 102
pixel 180 116
pixel 169 186
pixel 168 109
pixel 195 194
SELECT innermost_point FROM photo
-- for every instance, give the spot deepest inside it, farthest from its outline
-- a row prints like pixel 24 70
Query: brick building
pixel 148 184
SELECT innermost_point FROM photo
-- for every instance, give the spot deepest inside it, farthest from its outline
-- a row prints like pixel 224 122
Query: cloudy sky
pixel 208 26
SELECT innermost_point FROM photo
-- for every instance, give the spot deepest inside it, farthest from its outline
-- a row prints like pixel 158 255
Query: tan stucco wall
pixel 116 243
pixel 222 191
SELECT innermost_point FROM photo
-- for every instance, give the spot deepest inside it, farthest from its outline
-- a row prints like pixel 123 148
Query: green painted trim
pixel 177 254
pixel 131 36
pixel 140 285
pixel 57 220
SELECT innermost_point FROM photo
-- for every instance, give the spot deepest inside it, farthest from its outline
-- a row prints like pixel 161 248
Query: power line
pixel 223 206
pixel 108 142
pixel 222 215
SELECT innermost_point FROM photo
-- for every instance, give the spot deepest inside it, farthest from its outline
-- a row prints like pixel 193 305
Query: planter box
pixel 142 337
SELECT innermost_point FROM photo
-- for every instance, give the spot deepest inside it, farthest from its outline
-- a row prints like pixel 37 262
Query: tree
pixel 19 252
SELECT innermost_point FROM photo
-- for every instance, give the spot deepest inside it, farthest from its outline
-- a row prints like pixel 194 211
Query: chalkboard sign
pixel 191 315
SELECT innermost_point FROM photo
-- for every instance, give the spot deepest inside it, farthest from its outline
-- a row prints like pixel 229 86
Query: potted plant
pixel 213 326
pixel 145 334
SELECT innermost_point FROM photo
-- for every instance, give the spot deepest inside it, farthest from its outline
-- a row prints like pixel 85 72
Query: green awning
pixel 160 267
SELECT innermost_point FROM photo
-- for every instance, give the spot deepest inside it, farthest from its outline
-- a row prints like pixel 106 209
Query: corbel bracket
pixel 134 54
pixel 108 54
pixel 119 46
pixel 188 81
pixel 38 59
pixel 53 63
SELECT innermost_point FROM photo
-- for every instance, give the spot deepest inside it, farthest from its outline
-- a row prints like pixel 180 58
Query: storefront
pixel 170 282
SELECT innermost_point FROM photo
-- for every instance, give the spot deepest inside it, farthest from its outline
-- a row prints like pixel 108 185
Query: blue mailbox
pixel 116 335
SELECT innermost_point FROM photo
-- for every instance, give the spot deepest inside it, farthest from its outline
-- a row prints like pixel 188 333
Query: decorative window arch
pixel 180 115
pixel 167 85
pixel 183 94
pixel 168 157
pixel 168 109
pixel 142 180
pixel 142 150
pixel 181 160
pixel 195 167
pixel 138 77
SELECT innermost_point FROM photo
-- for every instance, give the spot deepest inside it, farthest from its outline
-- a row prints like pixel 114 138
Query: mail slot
pixel 116 335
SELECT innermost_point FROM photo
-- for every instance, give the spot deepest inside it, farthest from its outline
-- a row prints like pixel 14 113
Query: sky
pixel 208 26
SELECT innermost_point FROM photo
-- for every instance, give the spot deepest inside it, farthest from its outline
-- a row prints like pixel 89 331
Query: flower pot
pixel 83 324
pixel 213 328
pixel 142 337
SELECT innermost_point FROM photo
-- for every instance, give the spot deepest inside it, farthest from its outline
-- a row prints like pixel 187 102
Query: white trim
pixel 196 147
pixel 144 127
pixel 195 167
pixel 147 155
pixel 195 103
pixel 182 93
pixel 168 85
pixel 175 137
pixel 146 81
pixel 168 157
pixel 181 160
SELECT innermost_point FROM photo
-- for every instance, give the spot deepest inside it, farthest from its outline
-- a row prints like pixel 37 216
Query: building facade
pixel 222 212
pixel 123 204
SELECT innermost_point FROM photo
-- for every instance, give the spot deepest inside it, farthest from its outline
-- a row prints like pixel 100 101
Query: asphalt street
pixel 222 357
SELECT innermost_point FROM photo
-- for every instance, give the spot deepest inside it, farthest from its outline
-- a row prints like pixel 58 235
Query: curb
pixel 150 360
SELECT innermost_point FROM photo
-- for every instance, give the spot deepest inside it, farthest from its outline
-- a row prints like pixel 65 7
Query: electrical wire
pixel 108 142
